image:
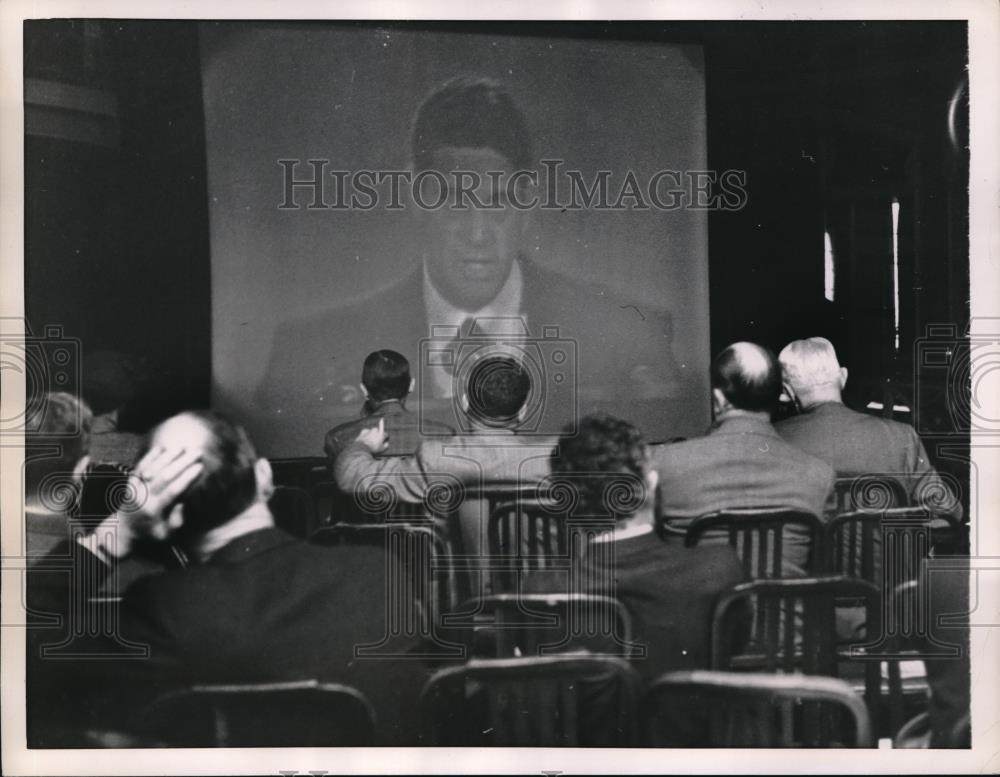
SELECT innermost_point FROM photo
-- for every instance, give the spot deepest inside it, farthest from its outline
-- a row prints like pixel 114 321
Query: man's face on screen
pixel 469 250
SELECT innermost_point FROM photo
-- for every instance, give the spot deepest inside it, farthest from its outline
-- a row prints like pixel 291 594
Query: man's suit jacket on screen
pixel 856 444
pixel 620 347
pixel 265 607
pixel 742 462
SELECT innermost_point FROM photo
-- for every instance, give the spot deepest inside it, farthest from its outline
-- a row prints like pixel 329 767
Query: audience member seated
pixel 498 388
pixel 853 443
pixel 259 605
pixel 668 589
pixel 57 447
pixel 742 461
pixel 948 591
pixel 110 382
pixel 386 383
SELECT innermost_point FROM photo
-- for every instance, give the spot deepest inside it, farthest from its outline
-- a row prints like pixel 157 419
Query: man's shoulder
pixel 214 579
pixel 567 298
pixel 839 424
pixel 346 427
pixel 682 454
pixel 806 463
pixel 712 449
pixel 384 307
pixel 340 435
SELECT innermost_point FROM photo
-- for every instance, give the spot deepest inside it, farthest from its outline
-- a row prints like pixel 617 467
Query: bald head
pixel 748 377
pixel 228 483
pixel 811 371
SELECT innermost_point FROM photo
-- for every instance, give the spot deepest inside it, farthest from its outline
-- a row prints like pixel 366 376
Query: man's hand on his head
pixel 374 438
pixel 153 511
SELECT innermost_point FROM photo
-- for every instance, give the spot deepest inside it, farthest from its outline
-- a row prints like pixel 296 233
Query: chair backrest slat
pixel 800 635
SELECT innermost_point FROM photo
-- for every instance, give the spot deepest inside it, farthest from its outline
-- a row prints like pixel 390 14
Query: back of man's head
pixel 61 424
pixel 748 376
pixel 469 112
pixel 386 375
pixel 591 452
pixel 810 365
pixel 227 485
pixel 498 387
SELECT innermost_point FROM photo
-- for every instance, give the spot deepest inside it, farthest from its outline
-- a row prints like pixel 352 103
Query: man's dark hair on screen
pixel 63 422
pixel 386 375
pixel 498 387
pixel 470 112
pixel 227 485
pixel 599 444
pixel 754 387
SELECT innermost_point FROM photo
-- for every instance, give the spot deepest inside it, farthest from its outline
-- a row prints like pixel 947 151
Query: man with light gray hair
pixel 853 443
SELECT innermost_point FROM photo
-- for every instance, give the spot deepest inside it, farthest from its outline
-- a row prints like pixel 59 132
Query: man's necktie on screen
pixel 454 344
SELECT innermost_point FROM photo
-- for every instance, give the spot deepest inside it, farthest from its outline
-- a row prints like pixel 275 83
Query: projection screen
pixel 315 263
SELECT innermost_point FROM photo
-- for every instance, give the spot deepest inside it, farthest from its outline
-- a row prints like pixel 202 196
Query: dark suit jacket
pixel 742 462
pixel 860 444
pixel 949 678
pixel 403 426
pixel 670 592
pixel 266 607
pixel 623 354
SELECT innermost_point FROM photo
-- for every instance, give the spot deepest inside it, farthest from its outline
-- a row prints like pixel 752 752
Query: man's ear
pixel 413 382
pixel 525 216
pixel 843 378
pixel 719 401
pixel 789 393
pixel 364 391
pixel 652 478
pixel 265 479
pixel 81 467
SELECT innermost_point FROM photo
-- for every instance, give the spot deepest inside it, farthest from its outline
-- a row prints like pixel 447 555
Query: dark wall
pixel 116 223
pixel 831 121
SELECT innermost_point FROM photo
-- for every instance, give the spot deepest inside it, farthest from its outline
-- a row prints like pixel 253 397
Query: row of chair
pixel 556 701
pixel 526 537
pixel 775 626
